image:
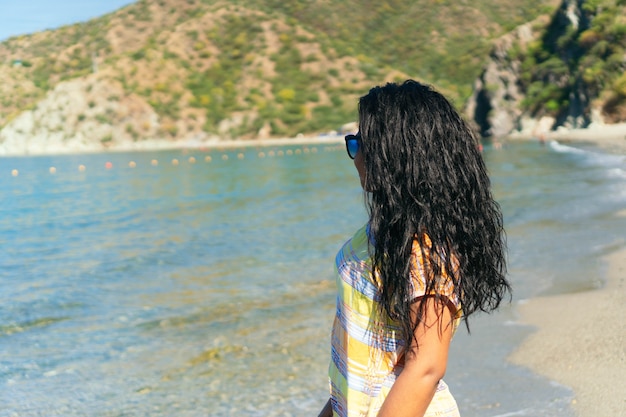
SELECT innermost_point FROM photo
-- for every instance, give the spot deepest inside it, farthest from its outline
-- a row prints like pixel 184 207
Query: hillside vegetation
pixel 572 65
pixel 247 68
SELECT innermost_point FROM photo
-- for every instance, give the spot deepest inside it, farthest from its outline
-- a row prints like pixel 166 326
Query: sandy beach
pixel 36 147
pixel 580 338
pixel 610 137
pixel 580 342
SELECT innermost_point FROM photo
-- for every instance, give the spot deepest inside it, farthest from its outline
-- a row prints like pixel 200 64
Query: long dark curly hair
pixel 426 180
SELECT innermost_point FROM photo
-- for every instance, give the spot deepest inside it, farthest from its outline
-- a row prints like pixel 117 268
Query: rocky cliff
pixel 82 114
pixel 563 72
pixel 495 105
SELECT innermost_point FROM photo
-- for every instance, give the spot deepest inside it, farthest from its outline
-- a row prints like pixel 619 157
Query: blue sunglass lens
pixel 353 147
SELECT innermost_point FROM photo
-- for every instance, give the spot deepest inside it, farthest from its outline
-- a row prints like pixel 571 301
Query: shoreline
pixel 609 137
pixel 160 145
pixel 580 341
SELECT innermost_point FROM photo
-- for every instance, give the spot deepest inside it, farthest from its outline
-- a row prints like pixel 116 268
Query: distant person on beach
pixel 431 254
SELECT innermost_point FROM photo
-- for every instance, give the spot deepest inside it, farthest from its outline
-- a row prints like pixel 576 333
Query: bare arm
pixel 415 387
pixel 327 411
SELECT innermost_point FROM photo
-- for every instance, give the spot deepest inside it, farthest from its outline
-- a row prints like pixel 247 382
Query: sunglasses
pixel 353 142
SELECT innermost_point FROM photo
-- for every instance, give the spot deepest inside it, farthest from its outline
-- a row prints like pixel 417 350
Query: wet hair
pixel 426 181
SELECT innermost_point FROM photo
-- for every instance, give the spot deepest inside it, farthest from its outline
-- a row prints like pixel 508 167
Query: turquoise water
pixel 206 288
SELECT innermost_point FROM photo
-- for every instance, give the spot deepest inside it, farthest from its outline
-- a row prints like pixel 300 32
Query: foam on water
pixel 617 173
pixel 590 157
pixel 556 146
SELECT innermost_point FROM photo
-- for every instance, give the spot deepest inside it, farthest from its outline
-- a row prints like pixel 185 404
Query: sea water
pixel 200 283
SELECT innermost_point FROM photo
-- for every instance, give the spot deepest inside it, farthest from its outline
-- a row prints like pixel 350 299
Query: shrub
pixel 101 118
pixel 588 38
pixel 286 94
pixel 619 86
pixel 137 55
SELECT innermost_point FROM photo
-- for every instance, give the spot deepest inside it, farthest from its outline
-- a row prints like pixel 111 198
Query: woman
pixel 431 254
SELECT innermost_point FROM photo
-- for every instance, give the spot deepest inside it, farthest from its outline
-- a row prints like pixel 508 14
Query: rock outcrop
pixel 84 114
pixel 497 94
pixel 537 77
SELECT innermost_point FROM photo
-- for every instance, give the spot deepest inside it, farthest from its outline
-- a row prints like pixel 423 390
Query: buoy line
pixel 192 160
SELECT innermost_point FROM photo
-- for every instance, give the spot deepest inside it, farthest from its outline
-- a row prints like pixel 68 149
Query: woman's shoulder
pixel 361 236
pixel 357 247
pixel 360 241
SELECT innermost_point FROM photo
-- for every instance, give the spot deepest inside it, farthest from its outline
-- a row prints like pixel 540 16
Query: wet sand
pixel 580 342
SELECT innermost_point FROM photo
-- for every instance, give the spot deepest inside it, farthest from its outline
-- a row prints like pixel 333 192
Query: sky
pixel 18 17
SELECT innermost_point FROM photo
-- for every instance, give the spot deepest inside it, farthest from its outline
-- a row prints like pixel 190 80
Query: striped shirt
pixel 367 345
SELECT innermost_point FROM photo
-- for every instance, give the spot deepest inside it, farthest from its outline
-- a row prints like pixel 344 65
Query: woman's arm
pixel 327 411
pixel 424 367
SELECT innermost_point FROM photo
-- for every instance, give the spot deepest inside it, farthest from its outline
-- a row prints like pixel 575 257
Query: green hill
pixel 249 68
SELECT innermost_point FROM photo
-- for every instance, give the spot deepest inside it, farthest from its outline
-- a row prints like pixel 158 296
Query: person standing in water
pixel 431 254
